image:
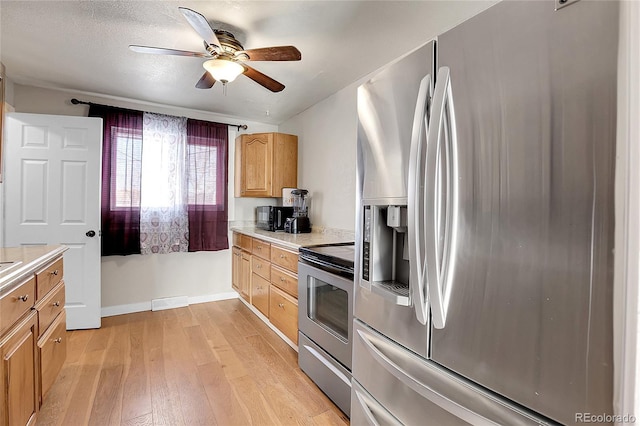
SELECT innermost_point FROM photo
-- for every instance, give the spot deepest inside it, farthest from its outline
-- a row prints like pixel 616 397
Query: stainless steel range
pixel 325 318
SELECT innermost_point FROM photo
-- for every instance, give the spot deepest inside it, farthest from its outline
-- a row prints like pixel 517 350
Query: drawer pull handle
pixel 282 256
pixel 258 266
pixel 24 298
pixel 54 272
pixel 281 305
pixel 282 279
pixel 58 340
pixel 56 304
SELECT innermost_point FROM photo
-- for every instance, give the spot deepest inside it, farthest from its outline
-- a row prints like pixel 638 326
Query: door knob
pixel 91 233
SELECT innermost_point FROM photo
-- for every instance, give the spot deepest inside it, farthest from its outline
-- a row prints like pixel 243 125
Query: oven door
pixel 325 310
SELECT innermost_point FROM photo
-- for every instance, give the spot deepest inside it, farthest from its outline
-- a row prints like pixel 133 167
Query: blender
pixel 299 223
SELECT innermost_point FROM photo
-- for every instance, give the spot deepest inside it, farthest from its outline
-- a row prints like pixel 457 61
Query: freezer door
pixel 529 306
pixel 367 411
pixel 416 391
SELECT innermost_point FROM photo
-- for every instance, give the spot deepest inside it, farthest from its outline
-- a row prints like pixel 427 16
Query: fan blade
pixel 163 51
pixel 206 81
pixel 262 79
pixel 278 53
pixel 201 25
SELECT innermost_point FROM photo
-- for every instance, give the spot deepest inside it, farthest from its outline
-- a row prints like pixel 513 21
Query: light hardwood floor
pixel 209 364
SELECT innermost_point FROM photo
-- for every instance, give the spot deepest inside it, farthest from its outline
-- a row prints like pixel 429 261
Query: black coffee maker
pixel 299 223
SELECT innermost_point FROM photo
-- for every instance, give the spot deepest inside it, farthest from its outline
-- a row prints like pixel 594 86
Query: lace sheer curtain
pixel 164 222
pixel 164 183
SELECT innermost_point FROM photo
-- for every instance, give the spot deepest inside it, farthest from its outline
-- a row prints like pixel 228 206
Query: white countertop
pixel 295 241
pixel 18 262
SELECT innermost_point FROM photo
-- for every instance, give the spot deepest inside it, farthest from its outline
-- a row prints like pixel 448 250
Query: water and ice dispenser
pixel 385 252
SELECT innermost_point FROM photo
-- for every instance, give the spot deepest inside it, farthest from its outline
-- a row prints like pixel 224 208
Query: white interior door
pixel 52 196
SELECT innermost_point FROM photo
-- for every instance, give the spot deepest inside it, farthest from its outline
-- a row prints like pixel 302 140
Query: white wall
pixel 129 283
pixel 327 135
pixel 8 106
pixel 327 132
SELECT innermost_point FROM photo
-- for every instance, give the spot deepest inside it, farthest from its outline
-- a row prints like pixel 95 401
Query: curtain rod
pixel 78 102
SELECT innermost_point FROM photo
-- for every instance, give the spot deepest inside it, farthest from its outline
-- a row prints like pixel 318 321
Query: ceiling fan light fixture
pixel 223 70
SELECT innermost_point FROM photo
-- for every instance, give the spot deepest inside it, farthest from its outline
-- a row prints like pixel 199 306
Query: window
pixel 145 176
pixel 203 169
pixel 127 169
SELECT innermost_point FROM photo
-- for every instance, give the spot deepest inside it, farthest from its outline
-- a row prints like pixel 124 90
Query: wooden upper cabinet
pixel 265 163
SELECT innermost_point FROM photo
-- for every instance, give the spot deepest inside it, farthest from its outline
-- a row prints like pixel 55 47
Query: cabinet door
pixel 245 275
pixel 256 165
pixel 260 294
pixel 53 351
pixel 236 268
pixel 285 163
pixel 18 385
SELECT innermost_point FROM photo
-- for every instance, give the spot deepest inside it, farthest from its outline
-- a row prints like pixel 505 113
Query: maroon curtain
pixel 207 153
pixel 121 172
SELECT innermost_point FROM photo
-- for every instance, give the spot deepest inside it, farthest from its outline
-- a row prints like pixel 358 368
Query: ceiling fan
pixel 225 55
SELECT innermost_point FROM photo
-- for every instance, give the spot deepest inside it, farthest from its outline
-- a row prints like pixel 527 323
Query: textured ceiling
pixel 83 46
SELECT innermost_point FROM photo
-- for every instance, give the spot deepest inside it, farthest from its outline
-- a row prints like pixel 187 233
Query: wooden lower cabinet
pixel 271 274
pixel 32 336
pixel 18 370
pixel 52 348
pixel 236 268
pixel 283 313
pixel 245 276
pixel 260 294
pixel 284 280
pixel 241 270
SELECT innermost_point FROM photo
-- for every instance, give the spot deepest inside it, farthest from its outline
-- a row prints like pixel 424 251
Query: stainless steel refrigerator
pixel 484 244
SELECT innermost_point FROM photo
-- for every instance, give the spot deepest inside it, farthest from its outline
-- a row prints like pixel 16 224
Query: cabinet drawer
pixel 286 281
pixel 236 239
pixel 283 310
pixel 260 267
pixel 284 258
pixel 245 242
pixel 260 293
pixel 48 278
pixel 53 351
pixel 49 307
pixel 260 248
pixel 15 304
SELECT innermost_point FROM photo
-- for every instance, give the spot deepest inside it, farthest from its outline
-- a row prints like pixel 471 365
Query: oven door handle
pixel 317 263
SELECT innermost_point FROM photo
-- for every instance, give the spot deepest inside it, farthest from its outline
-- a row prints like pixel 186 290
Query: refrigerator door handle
pixel 418 386
pixel 441 189
pixel 416 202
pixel 369 405
pixel 435 384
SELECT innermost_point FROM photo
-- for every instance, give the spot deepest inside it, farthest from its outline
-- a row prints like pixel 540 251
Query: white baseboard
pixel 169 303
pixel 109 311
pixel 213 297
